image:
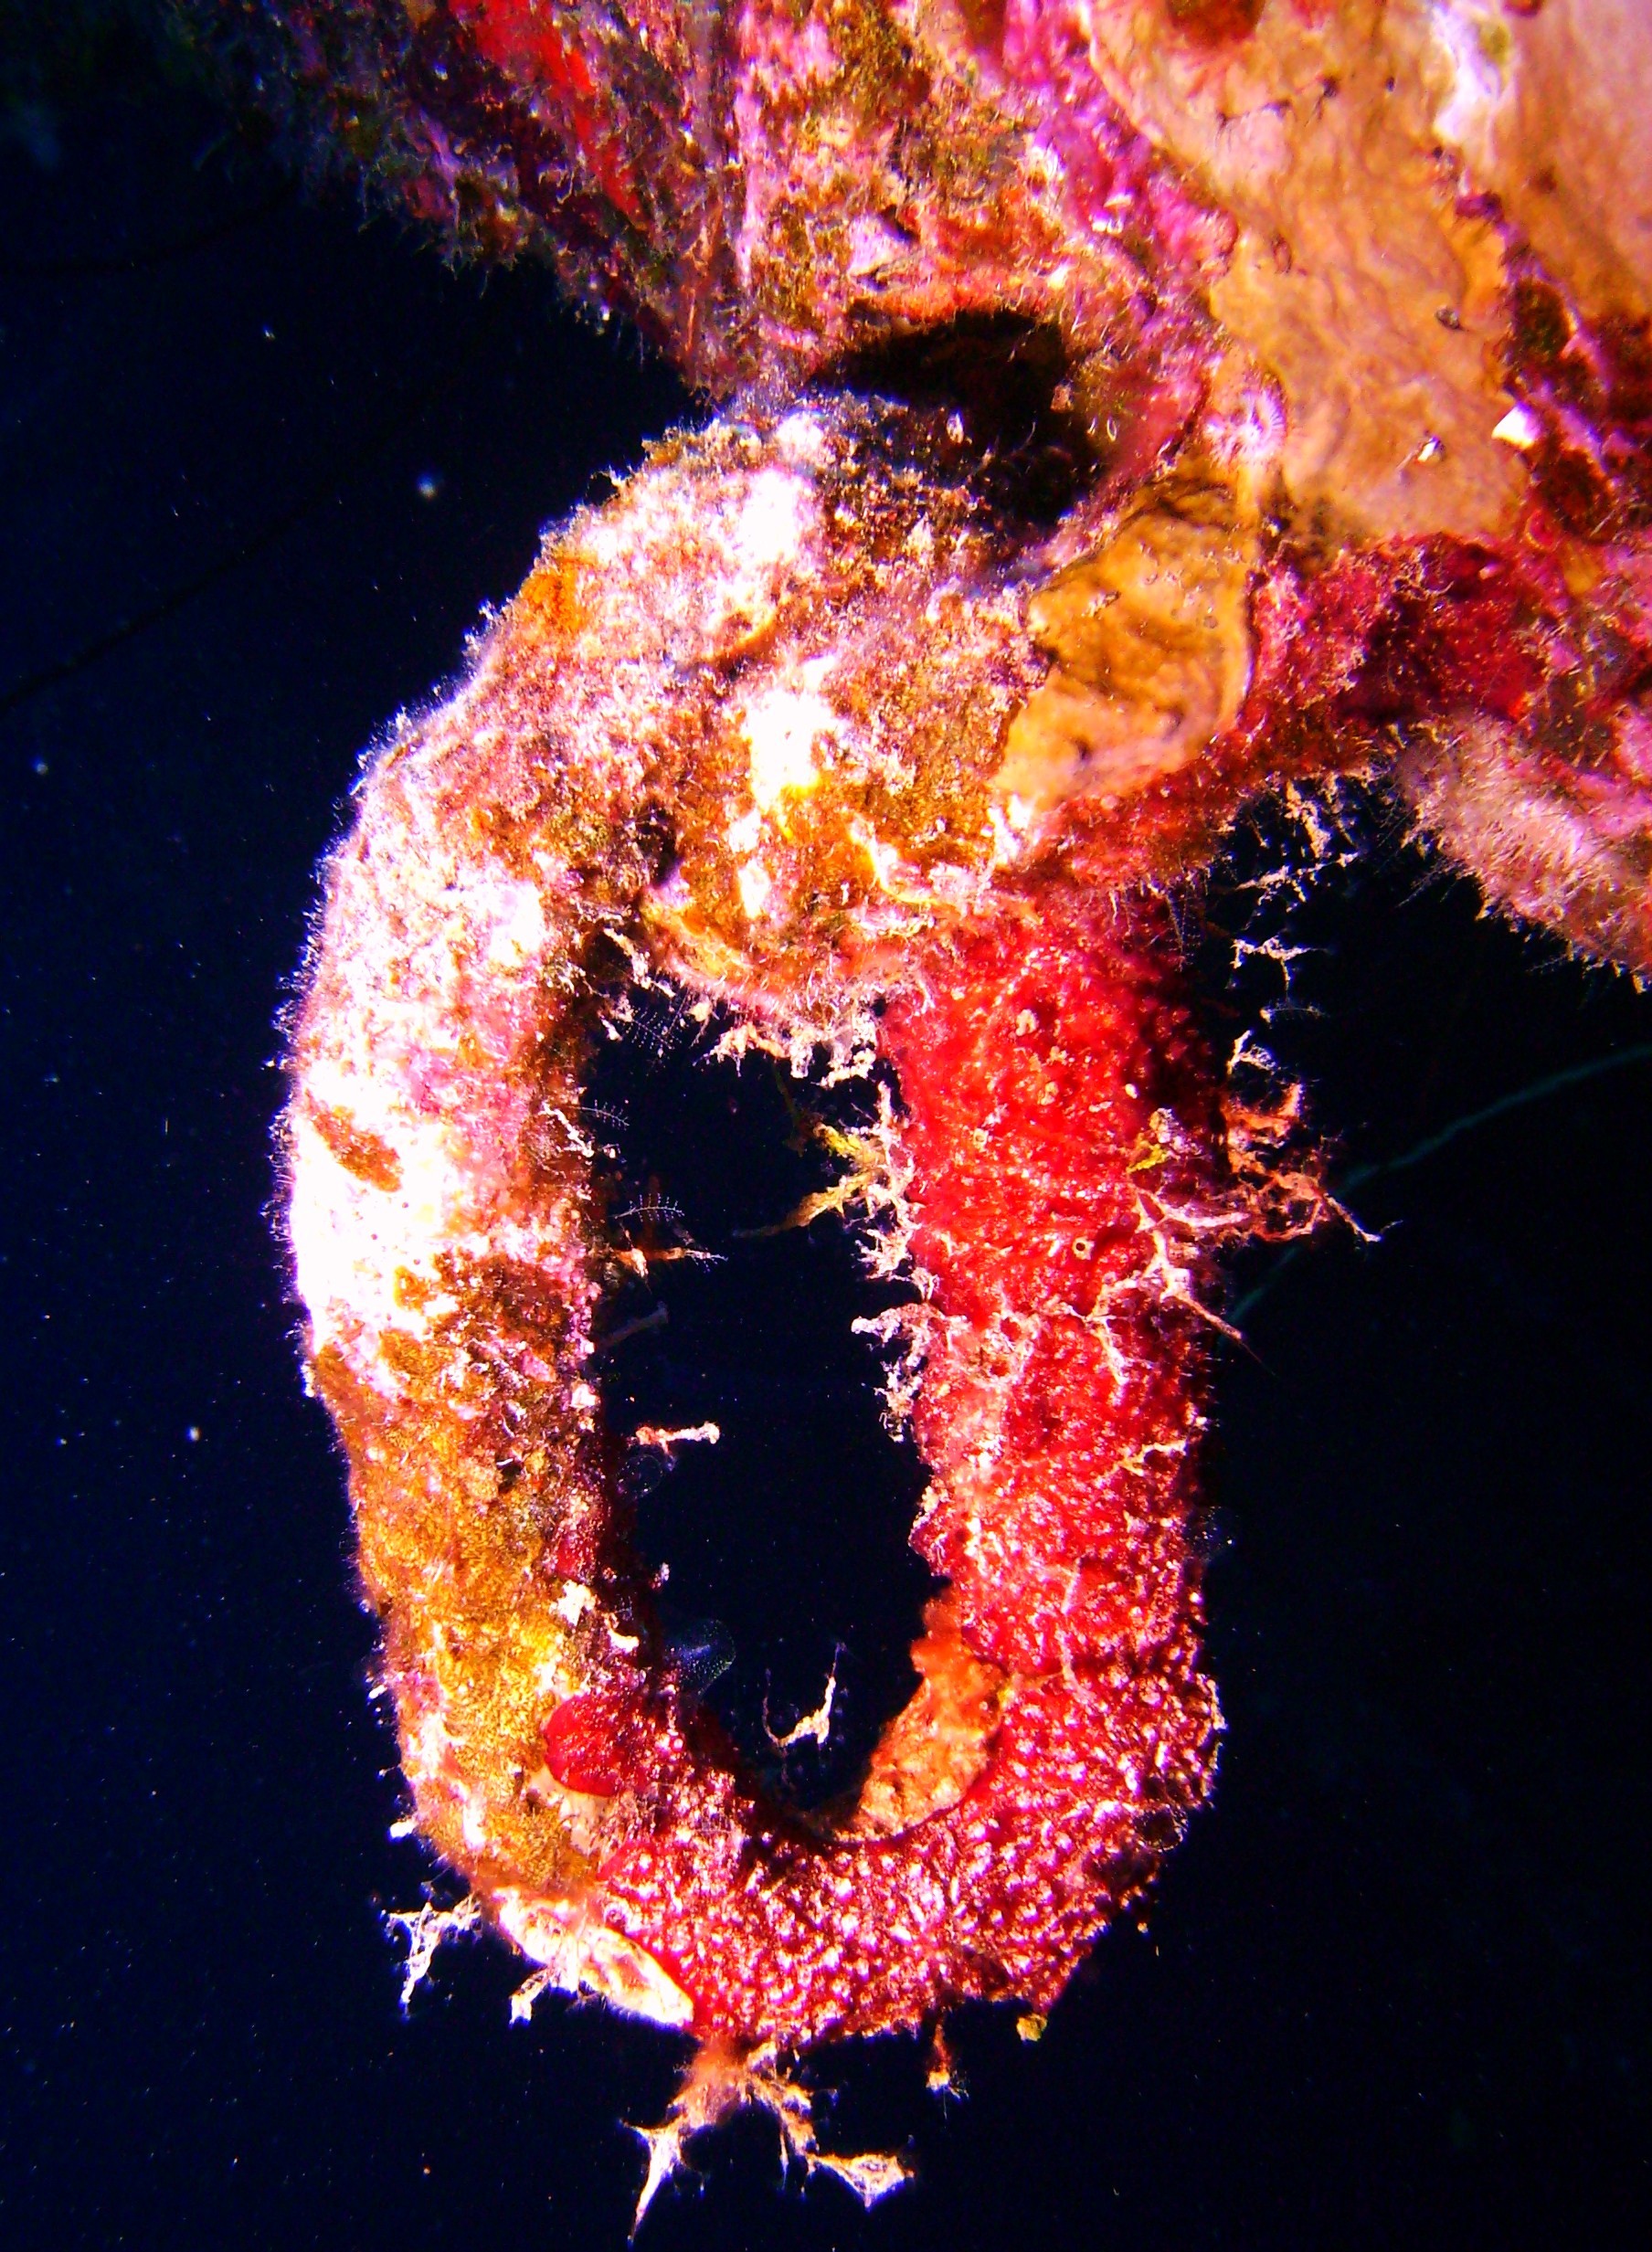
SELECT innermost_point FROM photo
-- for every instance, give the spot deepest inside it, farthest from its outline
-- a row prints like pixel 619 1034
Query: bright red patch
pixel 600 1742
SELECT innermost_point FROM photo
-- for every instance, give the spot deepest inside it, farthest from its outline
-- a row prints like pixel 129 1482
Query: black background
pixel 1393 1989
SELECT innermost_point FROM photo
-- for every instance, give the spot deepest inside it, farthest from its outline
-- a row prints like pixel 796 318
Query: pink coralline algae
pixel 1124 411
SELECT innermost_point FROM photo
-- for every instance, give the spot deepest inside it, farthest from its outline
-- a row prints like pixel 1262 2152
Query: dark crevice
pixel 1019 407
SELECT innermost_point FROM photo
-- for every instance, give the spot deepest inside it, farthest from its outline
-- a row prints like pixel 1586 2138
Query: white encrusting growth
pixel 516 933
pixel 1469 47
pixel 774 516
pixel 350 1240
pixel 425 1928
pixel 756 887
pixel 783 724
pixel 1519 427
pixel 580 1954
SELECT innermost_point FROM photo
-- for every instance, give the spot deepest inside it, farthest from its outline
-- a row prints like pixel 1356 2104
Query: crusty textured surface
pixel 614 794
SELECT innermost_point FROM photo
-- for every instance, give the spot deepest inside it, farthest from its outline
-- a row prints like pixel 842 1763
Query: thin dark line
pixel 1536 1093
pixel 147 261
pixel 176 598
pixel 179 597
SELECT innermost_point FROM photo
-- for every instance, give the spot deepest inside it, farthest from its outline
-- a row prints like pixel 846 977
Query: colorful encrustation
pixel 1123 412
